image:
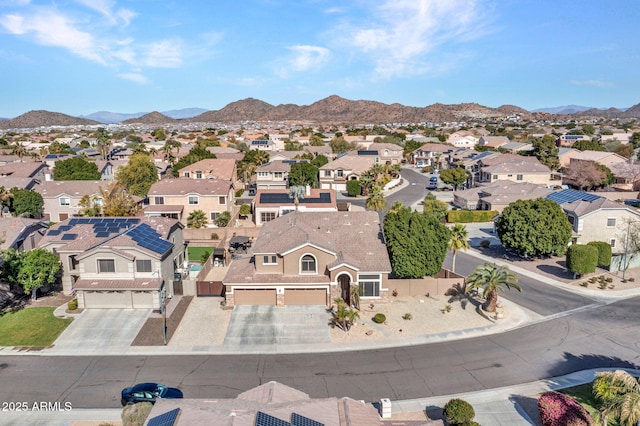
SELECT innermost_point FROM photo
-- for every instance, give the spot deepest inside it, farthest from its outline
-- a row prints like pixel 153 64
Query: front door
pixel 345 288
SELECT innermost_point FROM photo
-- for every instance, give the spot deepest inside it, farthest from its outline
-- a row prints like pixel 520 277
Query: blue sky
pixel 83 56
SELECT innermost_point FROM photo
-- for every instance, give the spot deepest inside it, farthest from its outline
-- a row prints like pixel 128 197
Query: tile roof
pixel 581 208
pixel 222 168
pixel 275 166
pixel 73 188
pixel 184 186
pixel 310 200
pixel 598 156
pixel 355 163
pixel 24 169
pixel 124 284
pixel 12 227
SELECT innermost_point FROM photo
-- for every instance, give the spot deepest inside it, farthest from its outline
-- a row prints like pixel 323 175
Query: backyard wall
pixel 434 286
pixel 617 262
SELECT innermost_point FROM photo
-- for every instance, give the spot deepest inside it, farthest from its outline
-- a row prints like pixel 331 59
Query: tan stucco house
pixel 311 258
pixel 61 198
pixel 336 173
pixel 269 204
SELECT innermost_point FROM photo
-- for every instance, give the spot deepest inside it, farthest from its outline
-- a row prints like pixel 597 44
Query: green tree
pixel 103 140
pixel 197 219
pixel 11 260
pixel 320 161
pixel 534 227
pixel 619 396
pixel 455 176
pixel 26 202
pixel 159 134
pixel 223 219
pixel 635 139
pixel 459 241
pixel 296 193
pixel 587 145
pixel 491 279
pixel 546 151
pixel 604 252
pixel 339 145
pixel 90 205
pixel 302 174
pixel 138 175
pixel 376 200
pixel 434 207
pixel 625 150
pixel 116 201
pixel 588 129
pixel 37 268
pixel 316 140
pixel 582 259
pixel 417 244
pixel 354 188
pixel 77 168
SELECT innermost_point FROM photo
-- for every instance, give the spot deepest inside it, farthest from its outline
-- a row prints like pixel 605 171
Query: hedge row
pixel 469 216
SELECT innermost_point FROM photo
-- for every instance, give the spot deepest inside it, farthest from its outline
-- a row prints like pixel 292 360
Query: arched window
pixel 308 264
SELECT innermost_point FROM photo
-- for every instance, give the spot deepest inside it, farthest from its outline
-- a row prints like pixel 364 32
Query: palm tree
pixel 296 193
pixel 459 240
pixel 376 200
pixel 197 219
pixel 19 150
pixel 619 393
pixel 491 278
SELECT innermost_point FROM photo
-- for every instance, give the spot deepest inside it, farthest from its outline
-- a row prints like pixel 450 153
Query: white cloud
pixel 162 54
pixel 105 7
pixel 302 58
pixel 593 83
pixel 50 28
pixel 135 77
pixel 402 36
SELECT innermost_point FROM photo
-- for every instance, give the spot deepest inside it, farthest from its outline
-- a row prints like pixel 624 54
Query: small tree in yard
pixel 582 259
pixel 197 219
pixel 604 252
pixel 36 268
pixel 458 412
pixel 354 188
pixel 245 209
pixel 455 176
pixel 491 279
pixel 343 316
pixel 223 219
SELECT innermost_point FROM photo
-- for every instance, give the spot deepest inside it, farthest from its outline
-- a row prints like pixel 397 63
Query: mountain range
pixel 330 110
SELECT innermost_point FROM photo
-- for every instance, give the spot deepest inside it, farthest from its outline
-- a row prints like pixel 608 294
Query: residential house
pixel 62 198
pixel 430 154
pixel 273 175
pixel 515 147
pixel 269 204
pixel 274 404
pixel 225 152
pixel 493 141
pixel 596 218
pixel 498 195
pixel 384 153
pixel 212 168
pixel 7 159
pixel 18 182
pixel 312 258
pixel 285 155
pixel 263 145
pixel 618 135
pixel 28 169
pixel 569 139
pixel 513 167
pixel 21 233
pixel 118 262
pixel 627 176
pixel 336 173
pixel 463 139
pixel 565 155
pixel 178 198
pixel 320 150
pixel 604 158
pixel 109 168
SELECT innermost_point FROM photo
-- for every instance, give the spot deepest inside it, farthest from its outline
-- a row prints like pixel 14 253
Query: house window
pixel 308 264
pixel 198 175
pixel 214 215
pixel 143 265
pixel 277 175
pixel 222 200
pixel 571 220
pixel 106 266
pixel 186 174
pixel 73 262
pixel 267 216
pixel 369 285
pixel 263 174
pixel 612 242
pixel 158 200
pixel 327 173
pixel 193 199
pixel 340 173
pixel 65 201
pixel 495 177
pixel 518 177
pixel 270 260
pixel 611 222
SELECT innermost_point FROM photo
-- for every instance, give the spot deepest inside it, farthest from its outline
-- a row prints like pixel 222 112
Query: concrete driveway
pixel 273 325
pixel 94 329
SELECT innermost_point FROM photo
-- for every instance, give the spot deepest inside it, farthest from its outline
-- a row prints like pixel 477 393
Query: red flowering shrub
pixel 557 409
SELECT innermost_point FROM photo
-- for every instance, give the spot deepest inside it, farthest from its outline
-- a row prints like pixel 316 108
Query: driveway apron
pixel 273 325
pixel 101 328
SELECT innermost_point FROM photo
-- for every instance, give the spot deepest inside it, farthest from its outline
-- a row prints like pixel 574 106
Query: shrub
pixel 223 219
pixel 215 236
pixel 407 316
pixel 582 258
pixel 557 409
pixel 458 411
pixel 205 256
pixel 604 252
pixel 354 188
pixel 136 414
pixel 239 192
pixel 379 318
pixel 467 216
pixel 72 305
pixel 245 209
pixel 485 244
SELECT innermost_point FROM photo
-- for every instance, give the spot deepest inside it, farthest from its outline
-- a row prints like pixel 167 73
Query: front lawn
pixel 31 327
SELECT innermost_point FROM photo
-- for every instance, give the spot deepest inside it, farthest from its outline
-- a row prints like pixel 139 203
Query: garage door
pixel 107 299
pixel 144 299
pixel 316 296
pixel 254 297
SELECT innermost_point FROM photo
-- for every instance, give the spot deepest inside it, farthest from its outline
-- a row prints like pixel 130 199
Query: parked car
pixel 148 392
pixel 433 179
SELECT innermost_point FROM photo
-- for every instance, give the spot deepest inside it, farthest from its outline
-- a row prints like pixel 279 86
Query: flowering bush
pixel 557 409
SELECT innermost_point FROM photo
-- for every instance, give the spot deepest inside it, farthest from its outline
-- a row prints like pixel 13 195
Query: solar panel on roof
pixel 54 232
pixel 148 238
pixel 282 198
pixel 69 237
pixel 65 227
pixel 367 152
pixel 298 420
pixel 102 234
pixel 263 419
pixel 83 221
pixel 73 222
pixel 571 195
pixel 166 419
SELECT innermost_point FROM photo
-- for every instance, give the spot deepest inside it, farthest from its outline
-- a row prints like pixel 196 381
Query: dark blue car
pixel 148 392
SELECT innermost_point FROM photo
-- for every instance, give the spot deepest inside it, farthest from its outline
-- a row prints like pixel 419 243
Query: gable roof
pixel 222 168
pixel 598 156
pixel 355 163
pixel 275 166
pixel 583 207
pixel 184 186
pixel 12 228
pixel 26 169
pixel 72 188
